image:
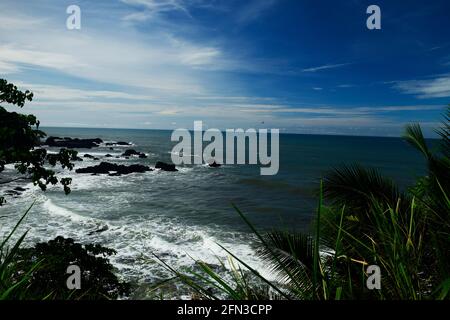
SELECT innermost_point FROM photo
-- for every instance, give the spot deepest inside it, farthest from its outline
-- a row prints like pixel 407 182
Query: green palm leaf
pixel 356 187
pixel 289 251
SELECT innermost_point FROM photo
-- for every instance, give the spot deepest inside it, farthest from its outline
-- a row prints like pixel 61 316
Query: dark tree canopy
pixel 20 139
pixel 98 280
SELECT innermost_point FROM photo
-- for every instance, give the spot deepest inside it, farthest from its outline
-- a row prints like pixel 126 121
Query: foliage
pixel 12 283
pixel 19 140
pixel 48 279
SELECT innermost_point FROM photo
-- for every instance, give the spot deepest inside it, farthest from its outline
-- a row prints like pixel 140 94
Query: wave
pixel 113 144
pixel 56 210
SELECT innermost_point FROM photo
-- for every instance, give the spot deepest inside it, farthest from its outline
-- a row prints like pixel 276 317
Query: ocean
pixel 181 216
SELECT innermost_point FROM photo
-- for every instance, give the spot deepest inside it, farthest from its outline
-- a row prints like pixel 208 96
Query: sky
pixel 302 66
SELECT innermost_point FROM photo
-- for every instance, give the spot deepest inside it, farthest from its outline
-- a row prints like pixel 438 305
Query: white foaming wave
pixel 184 153
pixel 115 145
pixel 178 245
pixel 90 182
pixel 184 169
pixel 56 210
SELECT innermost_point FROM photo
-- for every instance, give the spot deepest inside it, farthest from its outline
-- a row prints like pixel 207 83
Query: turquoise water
pixel 183 214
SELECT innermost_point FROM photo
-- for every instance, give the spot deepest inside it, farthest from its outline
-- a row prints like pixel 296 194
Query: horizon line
pixel 223 131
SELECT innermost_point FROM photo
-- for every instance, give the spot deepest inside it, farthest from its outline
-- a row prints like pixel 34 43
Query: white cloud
pixel 160 5
pixel 120 55
pixel 326 67
pixel 425 89
pixel 62 93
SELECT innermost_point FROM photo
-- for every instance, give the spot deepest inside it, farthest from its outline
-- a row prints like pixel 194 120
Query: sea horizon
pixel 430 138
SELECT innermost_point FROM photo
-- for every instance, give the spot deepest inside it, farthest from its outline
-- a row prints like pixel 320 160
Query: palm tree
pixel 369 220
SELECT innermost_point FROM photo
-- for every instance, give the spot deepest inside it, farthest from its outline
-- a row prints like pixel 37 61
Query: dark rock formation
pixel 120 143
pixel 12 193
pixel 108 156
pixel 72 143
pixel 215 165
pixel 114 169
pixel 20 189
pixel 131 152
pixel 102 229
pixel 165 166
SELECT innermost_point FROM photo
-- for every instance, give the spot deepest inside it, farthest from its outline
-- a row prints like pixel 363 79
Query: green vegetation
pixel 362 219
pixel 40 272
pixel 20 139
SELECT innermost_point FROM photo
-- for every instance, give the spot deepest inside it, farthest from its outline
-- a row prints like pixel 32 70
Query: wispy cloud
pixel 253 10
pixel 438 87
pixel 326 67
pixel 158 6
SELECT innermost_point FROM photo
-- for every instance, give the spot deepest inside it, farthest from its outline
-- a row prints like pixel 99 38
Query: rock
pixel 165 166
pixel 12 193
pixel 120 143
pixel 78 159
pixel 111 148
pixel 20 189
pixel 67 142
pixel 131 152
pixel 87 155
pixel 215 165
pixel 102 229
pixel 108 156
pixel 114 169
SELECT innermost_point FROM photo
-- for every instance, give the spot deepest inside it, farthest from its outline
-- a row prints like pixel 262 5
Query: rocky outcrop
pixel 17 191
pixel 165 166
pixel 114 169
pixel 87 155
pixel 120 143
pixel 71 143
pixel 214 165
pixel 131 152
pixel 100 230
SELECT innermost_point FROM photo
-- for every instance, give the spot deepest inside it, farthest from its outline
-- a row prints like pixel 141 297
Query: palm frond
pixel 444 133
pixel 355 186
pixel 288 251
pixel 414 136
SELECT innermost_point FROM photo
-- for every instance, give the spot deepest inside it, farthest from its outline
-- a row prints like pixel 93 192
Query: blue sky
pixel 302 66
